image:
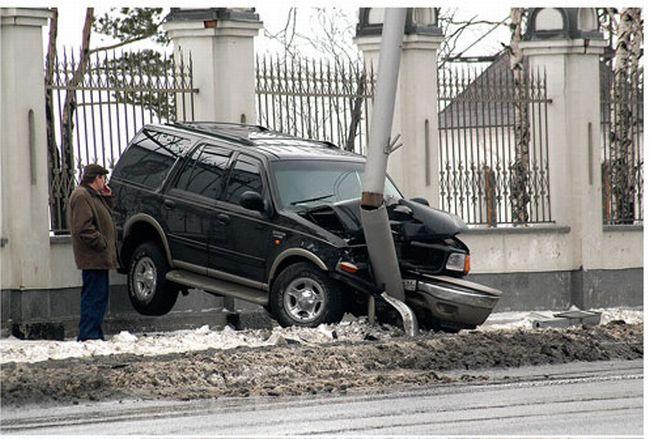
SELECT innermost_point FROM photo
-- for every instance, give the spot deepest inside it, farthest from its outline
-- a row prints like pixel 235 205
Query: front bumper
pixel 451 301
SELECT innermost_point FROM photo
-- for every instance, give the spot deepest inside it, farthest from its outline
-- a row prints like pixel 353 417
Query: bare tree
pixel 286 36
pixel 455 31
pixel 63 164
pixel 134 24
pixel 52 150
pixel 332 36
pixel 629 35
pixel 70 102
pixel 519 169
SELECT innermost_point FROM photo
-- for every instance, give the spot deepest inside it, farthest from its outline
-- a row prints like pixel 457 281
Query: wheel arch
pixel 142 228
pixel 293 256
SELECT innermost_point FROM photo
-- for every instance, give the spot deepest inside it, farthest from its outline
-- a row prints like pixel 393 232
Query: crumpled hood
pixel 409 218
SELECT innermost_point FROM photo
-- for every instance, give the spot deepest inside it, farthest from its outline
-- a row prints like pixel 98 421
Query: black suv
pixel 241 211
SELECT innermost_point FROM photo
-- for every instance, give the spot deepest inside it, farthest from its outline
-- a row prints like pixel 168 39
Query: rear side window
pixel 150 157
pixel 245 176
pixel 204 173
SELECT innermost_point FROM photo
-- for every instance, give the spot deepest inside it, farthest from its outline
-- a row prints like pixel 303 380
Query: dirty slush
pixel 295 369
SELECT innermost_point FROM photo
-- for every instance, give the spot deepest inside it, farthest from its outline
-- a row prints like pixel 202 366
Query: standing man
pixel 93 243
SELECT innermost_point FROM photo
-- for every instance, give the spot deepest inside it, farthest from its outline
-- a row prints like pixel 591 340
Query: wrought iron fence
pixel 622 140
pixel 488 175
pixel 94 108
pixel 323 100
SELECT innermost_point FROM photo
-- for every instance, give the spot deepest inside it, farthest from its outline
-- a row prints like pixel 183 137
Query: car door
pixel 245 250
pixel 192 202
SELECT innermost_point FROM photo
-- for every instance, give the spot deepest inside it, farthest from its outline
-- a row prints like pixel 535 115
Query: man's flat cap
pixel 93 170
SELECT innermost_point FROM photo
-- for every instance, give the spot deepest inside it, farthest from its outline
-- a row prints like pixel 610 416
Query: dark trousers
pixel 94 301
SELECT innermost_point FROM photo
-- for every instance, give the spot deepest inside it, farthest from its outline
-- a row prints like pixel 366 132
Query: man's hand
pixel 106 191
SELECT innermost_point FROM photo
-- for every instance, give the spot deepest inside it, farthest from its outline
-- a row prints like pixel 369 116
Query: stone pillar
pixel 220 43
pixel 24 231
pixel 414 166
pixel 565 44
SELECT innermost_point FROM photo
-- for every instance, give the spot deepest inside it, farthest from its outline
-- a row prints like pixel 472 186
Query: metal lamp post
pixel 374 217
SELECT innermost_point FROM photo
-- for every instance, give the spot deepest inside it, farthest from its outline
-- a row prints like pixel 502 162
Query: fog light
pixel 456 262
pixel 348 267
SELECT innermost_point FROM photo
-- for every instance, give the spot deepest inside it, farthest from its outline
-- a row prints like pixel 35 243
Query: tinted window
pixel 150 157
pixel 204 172
pixel 245 176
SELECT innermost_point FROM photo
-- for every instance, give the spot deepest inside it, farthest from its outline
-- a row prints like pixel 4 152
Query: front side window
pixel 245 176
pixel 150 158
pixel 204 172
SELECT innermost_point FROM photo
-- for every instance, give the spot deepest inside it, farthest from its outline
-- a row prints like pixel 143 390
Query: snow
pixel 349 330
pixel 524 319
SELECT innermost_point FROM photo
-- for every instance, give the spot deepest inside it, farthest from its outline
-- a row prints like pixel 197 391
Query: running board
pixel 218 286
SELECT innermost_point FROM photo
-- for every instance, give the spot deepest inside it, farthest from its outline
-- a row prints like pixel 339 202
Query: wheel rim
pixel 144 279
pixel 304 299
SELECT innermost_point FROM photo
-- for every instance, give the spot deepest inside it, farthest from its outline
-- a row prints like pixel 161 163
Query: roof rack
pixel 215 131
pixel 258 128
pixel 242 133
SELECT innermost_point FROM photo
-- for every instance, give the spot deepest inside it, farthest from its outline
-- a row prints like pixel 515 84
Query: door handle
pixel 223 219
pixel 169 204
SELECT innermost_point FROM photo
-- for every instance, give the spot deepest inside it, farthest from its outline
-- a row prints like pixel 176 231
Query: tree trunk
pixel 634 177
pixel 519 170
pixel 490 196
pixel 356 109
pixel 69 108
pixel 622 115
pixel 53 163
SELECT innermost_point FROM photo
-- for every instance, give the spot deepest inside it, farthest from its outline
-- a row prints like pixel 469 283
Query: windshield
pixel 307 183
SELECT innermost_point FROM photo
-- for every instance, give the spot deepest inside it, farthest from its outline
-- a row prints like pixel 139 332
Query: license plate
pixel 409 284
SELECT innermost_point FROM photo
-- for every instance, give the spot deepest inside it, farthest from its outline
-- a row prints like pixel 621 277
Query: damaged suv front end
pixel 432 259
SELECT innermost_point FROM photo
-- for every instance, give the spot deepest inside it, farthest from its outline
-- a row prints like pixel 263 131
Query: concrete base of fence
pixel 608 288
pixel 54 313
pixel 560 289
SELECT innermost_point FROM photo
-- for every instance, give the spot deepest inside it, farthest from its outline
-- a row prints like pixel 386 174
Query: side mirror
pixel 420 200
pixel 252 200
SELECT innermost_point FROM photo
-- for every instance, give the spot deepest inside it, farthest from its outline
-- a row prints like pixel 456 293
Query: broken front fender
pixel 451 301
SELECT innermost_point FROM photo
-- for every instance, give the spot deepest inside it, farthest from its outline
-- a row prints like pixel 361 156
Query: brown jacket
pixel 93 230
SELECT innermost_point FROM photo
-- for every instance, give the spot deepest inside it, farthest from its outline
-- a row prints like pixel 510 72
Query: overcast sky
pixel 274 16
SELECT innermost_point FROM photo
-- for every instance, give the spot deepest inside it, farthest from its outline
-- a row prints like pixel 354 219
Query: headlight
pixel 456 262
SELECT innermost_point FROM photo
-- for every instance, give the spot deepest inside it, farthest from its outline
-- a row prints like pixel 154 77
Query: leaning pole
pixel 374 217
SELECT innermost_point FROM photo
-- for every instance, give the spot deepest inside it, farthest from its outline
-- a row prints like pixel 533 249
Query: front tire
pixel 149 290
pixel 303 295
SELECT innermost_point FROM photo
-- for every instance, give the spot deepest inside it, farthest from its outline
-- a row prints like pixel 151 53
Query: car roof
pixel 273 144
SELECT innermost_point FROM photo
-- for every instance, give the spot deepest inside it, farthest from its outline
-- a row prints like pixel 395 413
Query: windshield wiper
pixel 308 200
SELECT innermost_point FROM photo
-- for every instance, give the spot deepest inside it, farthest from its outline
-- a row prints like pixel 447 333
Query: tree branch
pixel 128 41
pixel 120 44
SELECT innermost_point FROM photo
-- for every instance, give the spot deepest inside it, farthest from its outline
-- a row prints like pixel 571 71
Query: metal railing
pixel 493 150
pixel 622 141
pixel 93 110
pixel 323 100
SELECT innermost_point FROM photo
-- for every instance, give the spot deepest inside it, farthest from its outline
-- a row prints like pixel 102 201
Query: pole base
pixel 409 320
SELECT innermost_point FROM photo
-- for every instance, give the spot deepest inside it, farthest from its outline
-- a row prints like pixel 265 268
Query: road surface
pixel 600 398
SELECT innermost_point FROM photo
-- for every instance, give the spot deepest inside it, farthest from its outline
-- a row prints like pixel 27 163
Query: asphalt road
pixel 602 398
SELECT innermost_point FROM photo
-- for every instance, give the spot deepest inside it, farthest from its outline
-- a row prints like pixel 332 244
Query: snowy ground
pixel 350 330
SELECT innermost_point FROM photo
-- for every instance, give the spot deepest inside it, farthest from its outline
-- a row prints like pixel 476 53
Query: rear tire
pixel 150 292
pixel 303 295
